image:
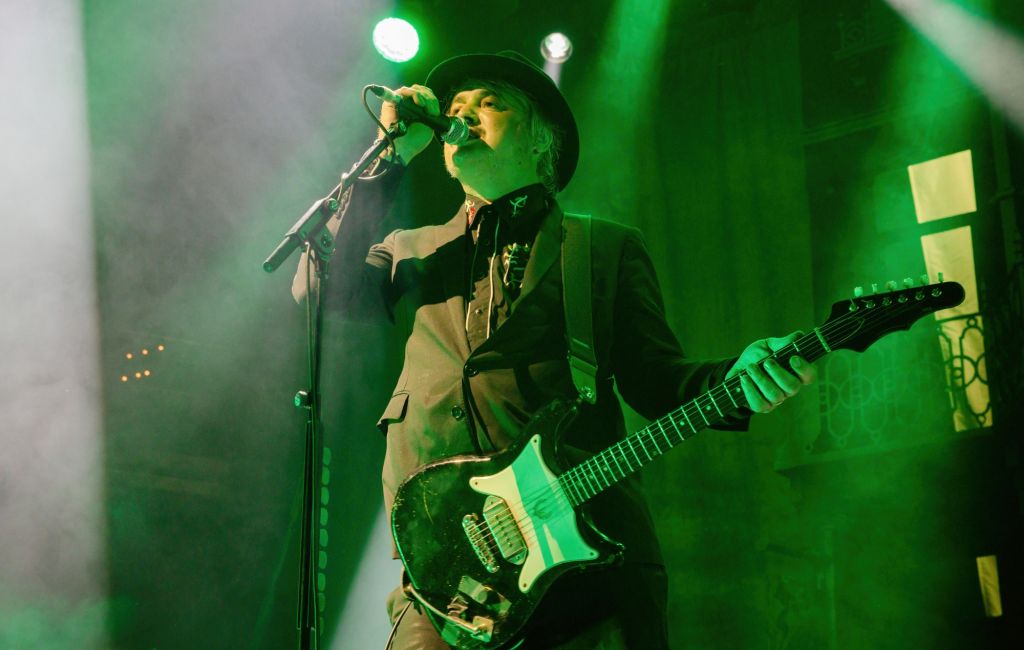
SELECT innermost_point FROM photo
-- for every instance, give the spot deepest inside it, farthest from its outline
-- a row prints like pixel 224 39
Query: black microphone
pixel 452 130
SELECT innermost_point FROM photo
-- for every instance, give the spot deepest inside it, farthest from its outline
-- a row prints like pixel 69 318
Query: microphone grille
pixel 457 133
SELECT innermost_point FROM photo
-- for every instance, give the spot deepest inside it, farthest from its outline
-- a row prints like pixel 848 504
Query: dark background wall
pixel 754 132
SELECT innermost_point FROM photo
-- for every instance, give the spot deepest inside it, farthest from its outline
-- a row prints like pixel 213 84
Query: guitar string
pixel 578 474
pixel 507 523
pixel 583 481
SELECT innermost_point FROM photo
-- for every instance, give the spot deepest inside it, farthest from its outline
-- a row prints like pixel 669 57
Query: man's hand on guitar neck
pixel 767 385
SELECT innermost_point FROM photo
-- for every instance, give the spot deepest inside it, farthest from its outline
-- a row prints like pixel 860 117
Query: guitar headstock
pixel 856 323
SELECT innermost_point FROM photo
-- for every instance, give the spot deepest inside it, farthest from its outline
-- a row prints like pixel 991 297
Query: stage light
pixel 128 355
pixel 396 40
pixel 556 48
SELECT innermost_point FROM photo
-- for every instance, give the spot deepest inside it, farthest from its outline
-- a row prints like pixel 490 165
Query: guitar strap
pixel 577 299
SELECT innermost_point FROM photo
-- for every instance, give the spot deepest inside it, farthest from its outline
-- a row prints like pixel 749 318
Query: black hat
pixel 516 69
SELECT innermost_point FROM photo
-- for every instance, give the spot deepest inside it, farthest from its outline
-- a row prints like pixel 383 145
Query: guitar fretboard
pixel 603 470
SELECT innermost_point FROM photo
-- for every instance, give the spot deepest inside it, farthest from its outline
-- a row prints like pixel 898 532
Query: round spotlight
pixel 556 48
pixel 396 40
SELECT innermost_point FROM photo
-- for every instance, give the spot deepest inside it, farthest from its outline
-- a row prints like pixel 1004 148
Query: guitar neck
pixel 615 463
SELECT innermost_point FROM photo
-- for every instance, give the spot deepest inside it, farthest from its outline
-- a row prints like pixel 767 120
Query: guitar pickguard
pixel 539 511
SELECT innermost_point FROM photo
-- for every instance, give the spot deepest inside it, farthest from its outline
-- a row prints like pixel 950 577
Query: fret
pixel 675 426
pixel 654 439
pixel 701 411
pixel 574 476
pixel 606 469
pixel 591 482
pixel 581 494
pixel 821 339
pixel 644 447
pixel 729 393
pixel 664 433
pixel 687 417
pixel 625 457
pixel 639 463
pixel 598 474
pixel 612 449
pixel 573 495
pixel 712 396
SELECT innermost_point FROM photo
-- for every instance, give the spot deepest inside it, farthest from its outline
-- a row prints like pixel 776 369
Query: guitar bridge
pixel 477 537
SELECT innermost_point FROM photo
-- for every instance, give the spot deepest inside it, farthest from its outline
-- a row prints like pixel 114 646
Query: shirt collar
pixel 520 211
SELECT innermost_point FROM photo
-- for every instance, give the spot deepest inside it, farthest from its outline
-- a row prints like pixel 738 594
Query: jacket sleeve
pixel 359 281
pixel 651 371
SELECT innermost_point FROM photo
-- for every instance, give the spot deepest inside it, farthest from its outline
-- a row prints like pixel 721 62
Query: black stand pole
pixel 308 612
pixel 311 231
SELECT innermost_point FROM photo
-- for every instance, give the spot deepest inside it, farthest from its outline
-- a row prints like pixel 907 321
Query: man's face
pixel 501 153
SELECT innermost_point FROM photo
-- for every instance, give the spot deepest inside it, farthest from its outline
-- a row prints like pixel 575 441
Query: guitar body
pixel 483 537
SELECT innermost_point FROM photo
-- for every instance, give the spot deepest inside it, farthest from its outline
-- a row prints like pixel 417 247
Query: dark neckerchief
pixel 520 213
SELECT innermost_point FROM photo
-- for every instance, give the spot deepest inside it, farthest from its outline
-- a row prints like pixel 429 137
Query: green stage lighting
pixel 396 40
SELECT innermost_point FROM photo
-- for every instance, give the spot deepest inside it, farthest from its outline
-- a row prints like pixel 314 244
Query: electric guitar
pixel 482 538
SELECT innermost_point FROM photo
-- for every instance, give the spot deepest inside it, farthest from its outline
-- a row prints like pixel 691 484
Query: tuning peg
pixel 924 279
pixel 858 292
pixel 874 288
pixel 908 282
pixel 891 285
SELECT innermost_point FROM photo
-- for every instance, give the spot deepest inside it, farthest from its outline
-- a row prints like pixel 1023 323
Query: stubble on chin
pixel 454 170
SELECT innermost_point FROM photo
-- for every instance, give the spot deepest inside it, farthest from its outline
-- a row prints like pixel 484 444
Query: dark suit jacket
pixel 450 399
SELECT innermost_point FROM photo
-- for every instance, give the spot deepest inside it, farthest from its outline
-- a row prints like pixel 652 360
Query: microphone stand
pixel 311 232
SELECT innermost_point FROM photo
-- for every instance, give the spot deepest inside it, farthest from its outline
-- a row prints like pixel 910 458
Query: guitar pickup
pixel 505 530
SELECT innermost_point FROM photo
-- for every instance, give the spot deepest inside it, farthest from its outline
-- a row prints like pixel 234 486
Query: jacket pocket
pixel 395 411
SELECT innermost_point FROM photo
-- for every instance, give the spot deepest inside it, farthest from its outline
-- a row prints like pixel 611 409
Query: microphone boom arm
pixel 311 226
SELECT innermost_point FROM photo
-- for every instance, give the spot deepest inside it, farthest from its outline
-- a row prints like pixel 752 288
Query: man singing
pixel 488 349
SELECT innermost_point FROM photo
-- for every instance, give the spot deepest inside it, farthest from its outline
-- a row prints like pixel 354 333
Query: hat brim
pixel 449 74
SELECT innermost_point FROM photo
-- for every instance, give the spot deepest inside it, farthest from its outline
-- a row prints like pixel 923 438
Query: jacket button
pixel 458 413
pixel 471 371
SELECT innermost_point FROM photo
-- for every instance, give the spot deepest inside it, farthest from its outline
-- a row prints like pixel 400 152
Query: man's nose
pixel 468 113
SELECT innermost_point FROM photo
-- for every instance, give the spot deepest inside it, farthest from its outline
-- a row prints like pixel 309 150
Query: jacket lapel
pixel 546 249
